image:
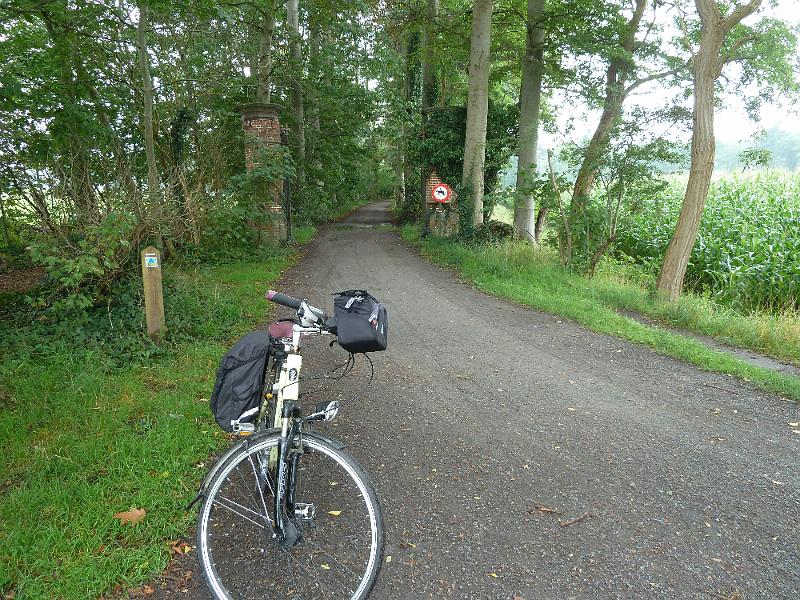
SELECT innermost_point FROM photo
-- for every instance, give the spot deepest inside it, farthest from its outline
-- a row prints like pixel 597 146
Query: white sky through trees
pixel 732 123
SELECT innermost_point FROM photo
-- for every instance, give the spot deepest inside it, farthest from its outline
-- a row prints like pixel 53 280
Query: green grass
pixel 533 277
pixel 85 435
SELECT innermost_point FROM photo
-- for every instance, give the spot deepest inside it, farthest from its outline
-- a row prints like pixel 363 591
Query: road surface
pixel 518 455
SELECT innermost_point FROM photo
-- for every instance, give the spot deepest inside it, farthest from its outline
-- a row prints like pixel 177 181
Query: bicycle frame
pixel 285 457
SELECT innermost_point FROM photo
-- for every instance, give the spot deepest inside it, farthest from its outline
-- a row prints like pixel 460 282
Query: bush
pixel 83 267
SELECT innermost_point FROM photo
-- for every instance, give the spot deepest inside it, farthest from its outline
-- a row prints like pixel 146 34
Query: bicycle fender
pixel 324 438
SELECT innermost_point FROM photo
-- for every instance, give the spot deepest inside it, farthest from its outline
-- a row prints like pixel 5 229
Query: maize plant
pixel 747 252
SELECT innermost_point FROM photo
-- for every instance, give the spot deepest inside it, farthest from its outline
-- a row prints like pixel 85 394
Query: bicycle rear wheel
pixel 340 549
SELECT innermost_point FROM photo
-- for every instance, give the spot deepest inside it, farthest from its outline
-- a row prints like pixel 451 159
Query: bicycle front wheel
pixel 337 515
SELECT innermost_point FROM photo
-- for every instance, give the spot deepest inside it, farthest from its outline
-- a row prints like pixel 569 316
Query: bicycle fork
pixel 287 510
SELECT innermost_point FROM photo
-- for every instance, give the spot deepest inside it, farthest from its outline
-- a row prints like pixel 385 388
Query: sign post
pixel 153 294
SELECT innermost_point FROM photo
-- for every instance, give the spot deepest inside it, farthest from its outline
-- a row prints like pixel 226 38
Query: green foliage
pixel 95 420
pixel 629 174
pixel 747 252
pixel 755 157
pixel 439 142
pixel 81 268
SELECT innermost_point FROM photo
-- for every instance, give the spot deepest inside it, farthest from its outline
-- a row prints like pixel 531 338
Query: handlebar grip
pixel 283 299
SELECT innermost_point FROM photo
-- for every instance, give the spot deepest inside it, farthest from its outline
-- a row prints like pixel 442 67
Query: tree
pixel 477 107
pixel 428 87
pixel 153 181
pixel 621 78
pixel 722 40
pixel 530 96
pixel 296 55
pixel 264 66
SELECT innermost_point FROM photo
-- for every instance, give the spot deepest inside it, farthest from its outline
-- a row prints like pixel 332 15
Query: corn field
pixel 747 253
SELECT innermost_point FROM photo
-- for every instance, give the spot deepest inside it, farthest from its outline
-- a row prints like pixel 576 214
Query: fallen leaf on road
pixel 495 575
pixel 570 409
pixel 776 482
pixel 132 516
pixel 794 424
pixel 389 558
pixel 325 567
pixel 334 513
pixel 545 509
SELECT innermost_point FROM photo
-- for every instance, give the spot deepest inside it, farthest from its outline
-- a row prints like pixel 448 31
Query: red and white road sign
pixel 441 193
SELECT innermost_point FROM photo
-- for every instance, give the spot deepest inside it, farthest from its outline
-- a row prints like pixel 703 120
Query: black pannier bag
pixel 361 323
pixel 240 381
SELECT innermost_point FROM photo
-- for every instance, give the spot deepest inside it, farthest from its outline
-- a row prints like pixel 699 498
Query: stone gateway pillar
pixel 262 128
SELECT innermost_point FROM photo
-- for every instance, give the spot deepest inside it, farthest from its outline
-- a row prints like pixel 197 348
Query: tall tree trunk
pixel 296 55
pixel 428 72
pixel 428 92
pixel 315 76
pixel 5 222
pixel 530 96
pixel 264 66
pixel 411 47
pixel 153 184
pixel 707 65
pixel 477 106
pixel 617 74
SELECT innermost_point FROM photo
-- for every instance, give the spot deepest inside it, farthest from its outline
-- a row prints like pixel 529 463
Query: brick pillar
pixel 442 218
pixel 262 127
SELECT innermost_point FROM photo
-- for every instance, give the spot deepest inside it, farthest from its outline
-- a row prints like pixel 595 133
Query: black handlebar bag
pixel 240 381
pixel 361 322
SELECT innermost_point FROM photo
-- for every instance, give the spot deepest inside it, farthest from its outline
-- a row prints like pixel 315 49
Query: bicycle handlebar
pixel 295 304
pixel 284 300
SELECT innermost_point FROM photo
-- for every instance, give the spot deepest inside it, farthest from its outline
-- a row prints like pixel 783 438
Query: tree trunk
pixel 428 94
pixel 619 69
pixel 707 67
pixel 541 218
pixel 428 73
pixel 295 53
pixel 477 107
pixel 5 222
pixel 411 47
pixel 153 185
pixel 315 75
pixel 264 65
pixel 530 95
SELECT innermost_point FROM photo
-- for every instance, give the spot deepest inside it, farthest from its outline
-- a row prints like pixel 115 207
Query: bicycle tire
pixel 339 557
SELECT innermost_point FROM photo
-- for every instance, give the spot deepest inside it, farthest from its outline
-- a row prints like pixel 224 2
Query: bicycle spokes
pixel 328 544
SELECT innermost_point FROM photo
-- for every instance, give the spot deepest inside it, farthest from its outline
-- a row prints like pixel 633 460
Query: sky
pixel 732 124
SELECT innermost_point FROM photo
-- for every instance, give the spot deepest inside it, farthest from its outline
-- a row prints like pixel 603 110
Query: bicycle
pixel 287 513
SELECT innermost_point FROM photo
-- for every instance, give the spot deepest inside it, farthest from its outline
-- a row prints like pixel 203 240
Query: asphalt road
pixel 518 455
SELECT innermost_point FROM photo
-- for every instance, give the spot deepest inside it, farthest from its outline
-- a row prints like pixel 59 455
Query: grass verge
pixel 86 434
pixel 532 277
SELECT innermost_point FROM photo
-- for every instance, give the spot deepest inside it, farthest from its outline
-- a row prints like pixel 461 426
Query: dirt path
pixel 491 428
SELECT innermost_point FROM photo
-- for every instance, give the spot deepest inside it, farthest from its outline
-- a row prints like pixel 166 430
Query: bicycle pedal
pixel 304 512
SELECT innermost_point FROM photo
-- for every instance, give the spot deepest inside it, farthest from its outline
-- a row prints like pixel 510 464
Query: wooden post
pixel 153 295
